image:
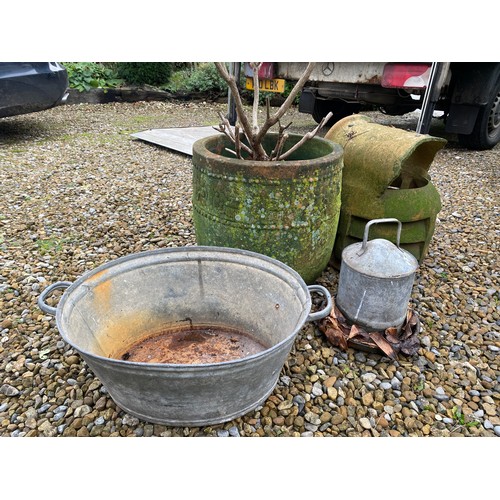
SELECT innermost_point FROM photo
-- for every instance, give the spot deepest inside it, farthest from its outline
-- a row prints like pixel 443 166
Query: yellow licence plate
pixel 265 85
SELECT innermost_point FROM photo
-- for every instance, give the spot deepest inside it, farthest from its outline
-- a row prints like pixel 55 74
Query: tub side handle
pixel 59 285
pixel 327 309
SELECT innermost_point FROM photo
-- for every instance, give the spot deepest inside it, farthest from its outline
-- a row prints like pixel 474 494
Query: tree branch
pixel 258 151
pixel 306 137
pixel 229 79
pixel 255 110
pixel 225 128
pixel 288 102
pixel 255 134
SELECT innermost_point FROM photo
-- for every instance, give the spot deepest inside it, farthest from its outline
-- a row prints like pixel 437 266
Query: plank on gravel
pixel 179 138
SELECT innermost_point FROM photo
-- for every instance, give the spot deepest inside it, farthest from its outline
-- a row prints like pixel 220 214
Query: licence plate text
pixel 265 85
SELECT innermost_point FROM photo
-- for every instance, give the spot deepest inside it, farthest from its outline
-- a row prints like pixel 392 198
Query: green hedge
pixel 145 73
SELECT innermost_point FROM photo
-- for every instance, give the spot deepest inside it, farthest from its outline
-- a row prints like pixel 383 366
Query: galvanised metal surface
pixel 375 281
pixel 288 209
pixel 119 303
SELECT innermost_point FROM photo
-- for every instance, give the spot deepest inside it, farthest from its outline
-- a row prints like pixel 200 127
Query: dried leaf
pixel 331 321
pixel 410 327
pixel 409 315
pixel 334 312
pixel 333 330
pixel 383 345
pixel 359 333
pixel 336 337
pixel 341 333
pixel 394 341
pixel 410 346
pixel 406 332
pixel 392 331
pixel 391 335
pixel 340 317
pixel 354 332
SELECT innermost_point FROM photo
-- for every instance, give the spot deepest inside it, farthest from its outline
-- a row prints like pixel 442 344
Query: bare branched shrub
pixel 252 131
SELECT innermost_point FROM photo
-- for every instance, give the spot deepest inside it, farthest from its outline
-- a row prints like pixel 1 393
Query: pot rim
pixel 185 250
pixel 200 148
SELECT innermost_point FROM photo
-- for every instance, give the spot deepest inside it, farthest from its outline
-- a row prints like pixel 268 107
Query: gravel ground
pixel 77 191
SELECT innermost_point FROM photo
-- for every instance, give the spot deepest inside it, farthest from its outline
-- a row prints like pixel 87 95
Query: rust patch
pixel 198 344
pixel 97 276
pixel 374 80
pixel 102 291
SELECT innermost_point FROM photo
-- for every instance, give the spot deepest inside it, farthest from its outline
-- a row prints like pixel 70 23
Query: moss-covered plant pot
pixel 386 175
pixel 287 210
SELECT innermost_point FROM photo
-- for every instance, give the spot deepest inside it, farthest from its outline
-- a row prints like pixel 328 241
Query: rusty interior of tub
pixel 193 344
pixel 182 313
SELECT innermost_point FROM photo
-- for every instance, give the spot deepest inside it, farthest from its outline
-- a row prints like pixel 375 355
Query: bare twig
pixel 288 102
pixel 275 155
pixel 282 128
pixel 231 151
pixel 276 152
pixel 253 133
pixel 305 138
pixel 237 142
pixel 258 151
pixel 255 110
pixel 225 128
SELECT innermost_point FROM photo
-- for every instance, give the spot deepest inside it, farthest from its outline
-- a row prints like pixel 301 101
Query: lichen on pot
pixel 288 210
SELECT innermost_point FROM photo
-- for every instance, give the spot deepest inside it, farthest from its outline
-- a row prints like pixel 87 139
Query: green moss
pixel 292 218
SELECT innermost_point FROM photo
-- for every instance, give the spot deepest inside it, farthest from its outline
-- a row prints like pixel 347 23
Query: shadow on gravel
pixel 21 129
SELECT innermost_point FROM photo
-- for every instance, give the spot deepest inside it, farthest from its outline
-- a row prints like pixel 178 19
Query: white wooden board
pixel 179 138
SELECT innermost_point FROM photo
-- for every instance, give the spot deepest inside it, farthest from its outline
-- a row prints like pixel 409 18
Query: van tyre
pixel 486 132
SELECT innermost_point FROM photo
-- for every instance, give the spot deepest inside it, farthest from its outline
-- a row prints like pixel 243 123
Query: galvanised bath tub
pixel 124 301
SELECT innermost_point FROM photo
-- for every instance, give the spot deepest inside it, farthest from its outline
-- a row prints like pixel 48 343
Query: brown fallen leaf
pixel 406 332
pixel 336 337
pixel 340 317
pixel 334 313
pixel 354 332
pixel 391 335
pixel 383 345
pixel 410 328
pixel 409 315
pixel 359 334
pixel 391 342
pixel 334 330
pixel 410 346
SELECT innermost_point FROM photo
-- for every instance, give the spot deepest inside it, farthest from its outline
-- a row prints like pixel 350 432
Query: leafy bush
pixel 178 81
pixel 196 77
pixel 172 76
pixel 205 78
pixel 145 73
pixel 83 76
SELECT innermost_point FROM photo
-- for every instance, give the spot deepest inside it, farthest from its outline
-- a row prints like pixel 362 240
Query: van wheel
pixel 486 132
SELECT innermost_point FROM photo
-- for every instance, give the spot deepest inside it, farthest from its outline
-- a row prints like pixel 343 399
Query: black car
pixel 26 87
